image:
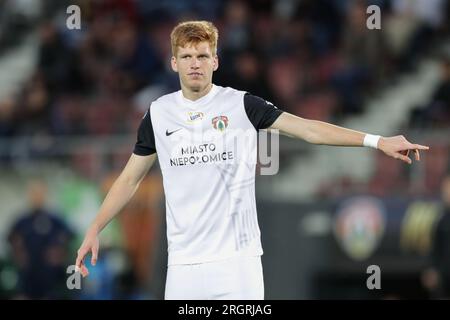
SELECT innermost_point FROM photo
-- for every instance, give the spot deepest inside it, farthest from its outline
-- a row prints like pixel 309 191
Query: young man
pixel 205 138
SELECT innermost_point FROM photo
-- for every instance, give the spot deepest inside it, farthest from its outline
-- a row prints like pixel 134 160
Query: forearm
pixel 118 196
pixel 317 132
pixel 320 132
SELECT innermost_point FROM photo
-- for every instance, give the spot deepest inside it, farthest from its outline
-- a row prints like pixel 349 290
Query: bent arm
pixel 122 190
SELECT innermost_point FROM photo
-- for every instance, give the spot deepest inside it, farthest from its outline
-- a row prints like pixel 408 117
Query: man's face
pixel 195 66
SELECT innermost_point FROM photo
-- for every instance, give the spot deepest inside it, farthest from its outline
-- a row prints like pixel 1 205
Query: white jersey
pixel 207 151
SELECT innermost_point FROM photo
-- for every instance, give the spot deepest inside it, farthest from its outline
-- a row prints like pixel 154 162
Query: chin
pixel 196 87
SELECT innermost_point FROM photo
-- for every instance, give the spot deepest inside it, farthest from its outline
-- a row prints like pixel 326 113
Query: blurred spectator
pixel 286 80
pixel 16 18
pixel 430 13
pixel 58 64
pixel 6 117
pixel 360 57
pixel 412 27
pixel 250 75
pixel 437 277
pixel 236 35
pixel 34 107
pixel 39 241
pixel 437 113
pixel 318 105
pixel 134 57
pixel 435 162
pixel 7 127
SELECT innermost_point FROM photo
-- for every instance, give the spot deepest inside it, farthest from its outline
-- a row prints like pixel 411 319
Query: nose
pixel 195 63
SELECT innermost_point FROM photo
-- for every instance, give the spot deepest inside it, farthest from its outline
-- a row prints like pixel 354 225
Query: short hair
pixel 192 33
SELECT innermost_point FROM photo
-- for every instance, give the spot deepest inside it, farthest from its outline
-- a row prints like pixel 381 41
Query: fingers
pixel 420 147
pixel 417 146
pixel 80 258
pixel 417 153
pixel 403 155
pixel 400 148
pixel 79 264
pixel 405 152
pixel 403 158
pixel 94 252
pixel 84 271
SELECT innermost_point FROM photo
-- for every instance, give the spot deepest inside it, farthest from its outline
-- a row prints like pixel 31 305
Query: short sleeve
pixel 145 144
pixel 262 114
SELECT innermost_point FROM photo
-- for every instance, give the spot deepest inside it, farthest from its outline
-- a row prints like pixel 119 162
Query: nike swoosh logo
pixel 169 133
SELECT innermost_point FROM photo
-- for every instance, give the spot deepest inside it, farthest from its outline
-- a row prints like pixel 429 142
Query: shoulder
pixel 229 92
pixel 229 96
pixel 167 99
pixel 248 98
pixel 261 113
pixel 252 101
pixel 21 222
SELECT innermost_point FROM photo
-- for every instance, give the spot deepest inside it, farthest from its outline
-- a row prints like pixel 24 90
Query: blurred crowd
pixel 314 58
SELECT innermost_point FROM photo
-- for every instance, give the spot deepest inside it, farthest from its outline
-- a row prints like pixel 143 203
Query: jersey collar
pixel 199 102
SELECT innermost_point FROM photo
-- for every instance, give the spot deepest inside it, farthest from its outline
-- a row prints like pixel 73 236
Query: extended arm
pixel 319 132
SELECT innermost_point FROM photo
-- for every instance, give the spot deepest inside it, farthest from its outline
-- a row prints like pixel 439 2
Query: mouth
pixel 195 74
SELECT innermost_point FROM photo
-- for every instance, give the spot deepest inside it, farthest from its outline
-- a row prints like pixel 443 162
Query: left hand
pixel 398 148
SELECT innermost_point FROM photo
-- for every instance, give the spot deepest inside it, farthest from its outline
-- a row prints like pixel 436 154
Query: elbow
pixel 306 136
pixel 313 138
pixel 308 132
pixel 314 133
pixel 128 181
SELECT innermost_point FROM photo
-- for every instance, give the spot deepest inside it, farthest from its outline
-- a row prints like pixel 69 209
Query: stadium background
pixel 71 101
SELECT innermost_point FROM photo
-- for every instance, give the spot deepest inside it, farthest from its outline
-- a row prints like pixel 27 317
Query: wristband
pixel 371 140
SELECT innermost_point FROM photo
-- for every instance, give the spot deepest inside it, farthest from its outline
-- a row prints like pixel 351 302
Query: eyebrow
pixel 200 55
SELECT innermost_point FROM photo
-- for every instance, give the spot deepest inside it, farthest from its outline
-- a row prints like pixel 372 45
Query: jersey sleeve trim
pixel 261 113
pixel 145 144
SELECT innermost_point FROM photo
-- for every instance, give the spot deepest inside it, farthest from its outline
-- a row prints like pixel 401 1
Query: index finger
pixel 94 252
pixel 419 147
pixel 80 258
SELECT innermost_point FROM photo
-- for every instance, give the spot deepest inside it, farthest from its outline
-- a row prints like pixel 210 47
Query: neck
pixel 194 95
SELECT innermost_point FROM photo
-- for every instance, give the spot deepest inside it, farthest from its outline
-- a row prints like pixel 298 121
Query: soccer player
pixel 205 138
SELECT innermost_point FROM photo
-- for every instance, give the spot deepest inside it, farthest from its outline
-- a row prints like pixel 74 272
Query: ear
pixel 173 63
pixel 216 63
